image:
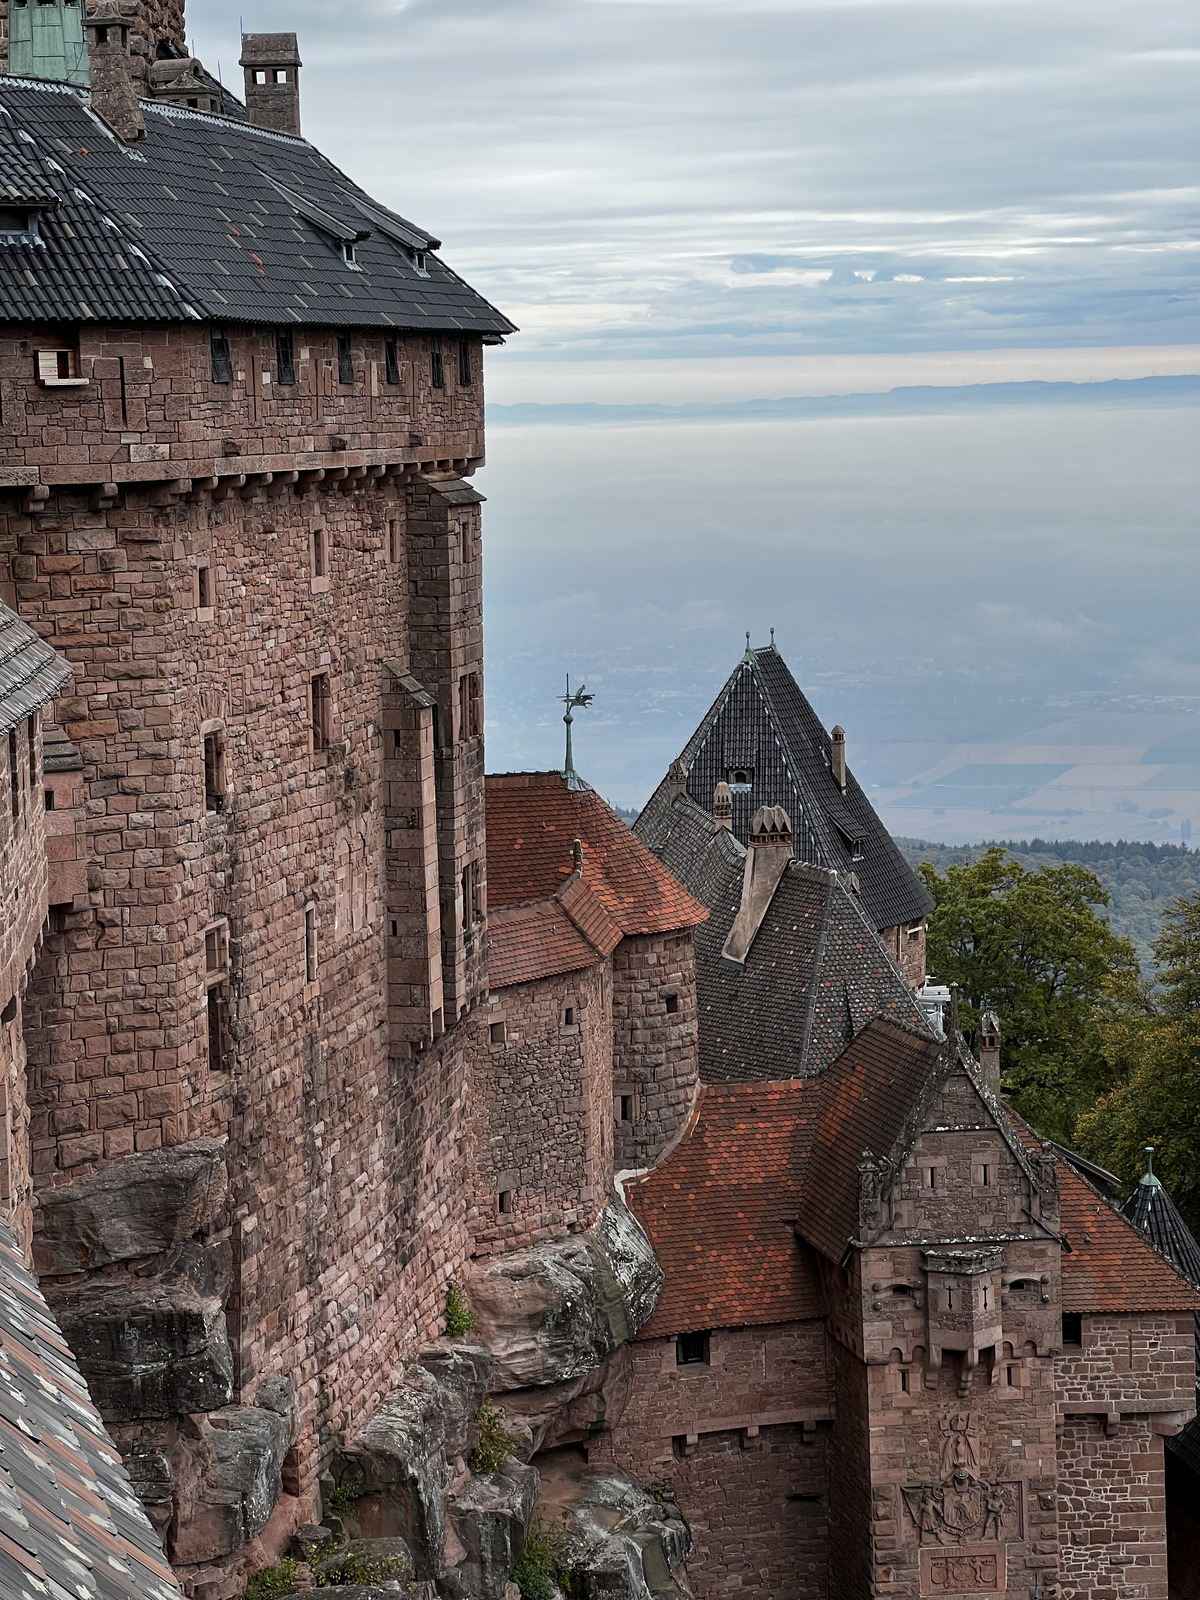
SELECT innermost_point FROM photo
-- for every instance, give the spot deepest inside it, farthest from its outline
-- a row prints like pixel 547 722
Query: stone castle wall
pixel 542 1103
pixel 655 1047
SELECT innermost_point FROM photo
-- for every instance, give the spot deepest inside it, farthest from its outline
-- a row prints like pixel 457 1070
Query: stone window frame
pixel 694 1339
pixel 318 555
pixel 498 1034
pixel 312 956
pixel 216 771
pixel 570 1015
pixel 203 589
pixel 395 547
pixel 320 715
pixel 625 1097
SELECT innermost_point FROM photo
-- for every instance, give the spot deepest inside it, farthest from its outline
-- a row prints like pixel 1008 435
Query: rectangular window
pixel 1010 1377
pixel 219 1044
pixel 568 1016
pixel 345 358
pixel 260 75
pixel 310 944
pixel 504 1202
pixel 285 357
pixel 437 370
pixel 204 587
pixel 497 1032
pixel 394 540
pixel 672 1003
pixel 470 706
pixel 14 776
pixel 464 364
pixel 214 772
pixel 281 75
pixel 391 360
pixel 216 949
pixel 49 799
pixel 626 1108
pixel 985 1176
pixel 472 900
pixel 319 711
pixel 222 361
pixel 319 567
pixel 1072 1330
pixel 691 1350
pixel 903 1380
pixel 931 1177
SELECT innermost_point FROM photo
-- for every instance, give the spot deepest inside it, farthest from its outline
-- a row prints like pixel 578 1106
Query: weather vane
pixel 579 701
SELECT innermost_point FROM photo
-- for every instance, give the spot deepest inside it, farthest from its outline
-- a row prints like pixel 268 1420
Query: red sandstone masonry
pixel 655 1052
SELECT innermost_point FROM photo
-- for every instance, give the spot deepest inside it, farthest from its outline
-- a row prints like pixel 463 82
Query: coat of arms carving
pixel 964 1508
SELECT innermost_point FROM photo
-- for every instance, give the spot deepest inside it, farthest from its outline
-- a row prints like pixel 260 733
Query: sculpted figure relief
pixel 963 1508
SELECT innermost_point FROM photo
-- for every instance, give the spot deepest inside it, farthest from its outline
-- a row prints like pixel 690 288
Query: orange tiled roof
pixel 528 942
pixel 721 1212
pixel 532 821
pixel 1110 1265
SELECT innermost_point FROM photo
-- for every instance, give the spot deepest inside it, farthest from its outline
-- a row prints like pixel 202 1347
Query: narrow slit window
pixel 222 361
pixel 318 695
pixel 391 361
pixel 394 541
pixel 903 1380
pixel 31 728
pixel 470 706
pixel 568 1016
pixel 437 369
pixel 464 364
pixel 345 359
pixel 319 560
pixel 203 587
pixel 626 1108
pixel 14 776
pixel 310 944
pixel 949 1299
pixel 285 358
pixel 219 1051
pixel 504 1202
pixel 1010 1377
pixel 49 799
pixel 985 1176
pixel 932 1175
pixel 214 772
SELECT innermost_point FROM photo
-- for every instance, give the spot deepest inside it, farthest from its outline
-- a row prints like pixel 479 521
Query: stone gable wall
pixel 542 1103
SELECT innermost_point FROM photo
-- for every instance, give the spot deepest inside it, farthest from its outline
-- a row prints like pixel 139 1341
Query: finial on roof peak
pixel 579 701
pixel 749 656
pixel 773 644
pixel 1148 1178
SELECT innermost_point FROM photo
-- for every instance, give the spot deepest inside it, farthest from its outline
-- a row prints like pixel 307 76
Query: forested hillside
pixel 1142 879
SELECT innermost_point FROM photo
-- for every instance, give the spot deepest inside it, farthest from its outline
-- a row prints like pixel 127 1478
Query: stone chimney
pixel 766 862
pixel 114 95
pixel 990 1040
pixel 837 757
pixel 677 778
pixel 723 806
pixel 271 62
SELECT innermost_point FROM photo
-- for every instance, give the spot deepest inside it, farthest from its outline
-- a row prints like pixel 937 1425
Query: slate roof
pixel 71 1527
pixel 721 1212
pixel 206 217
pixel 31 673
pixel 1154 1214
pixel 761 720
pixel 816 973
pixel 533 819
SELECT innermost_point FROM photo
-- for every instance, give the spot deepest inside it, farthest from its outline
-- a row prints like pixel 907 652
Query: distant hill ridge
pixel 1142 879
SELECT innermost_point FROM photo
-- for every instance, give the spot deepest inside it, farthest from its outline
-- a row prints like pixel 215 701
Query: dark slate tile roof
pixel 1153 1212
pixel 209 218
pixel 70 1525
pixel 762 721
pixel 31 673
pixel 816 973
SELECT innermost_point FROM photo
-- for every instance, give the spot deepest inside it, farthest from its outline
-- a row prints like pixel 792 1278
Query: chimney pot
pixel 990 1040
pixel 837 757
pixel 723 806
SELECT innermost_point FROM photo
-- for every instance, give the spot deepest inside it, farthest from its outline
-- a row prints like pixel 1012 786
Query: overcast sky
pixel 667 178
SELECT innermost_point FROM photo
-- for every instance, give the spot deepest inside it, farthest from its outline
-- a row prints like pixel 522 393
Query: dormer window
pixel 14 223
pixel 349 253
pixel 740 779
pixel 417 257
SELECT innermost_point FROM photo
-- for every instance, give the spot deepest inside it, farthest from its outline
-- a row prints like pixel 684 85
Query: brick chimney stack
pixel 114 96
pixel 990 1040
pixel 766 862
pixel 837 757
pixel 271 62
pixel 723 806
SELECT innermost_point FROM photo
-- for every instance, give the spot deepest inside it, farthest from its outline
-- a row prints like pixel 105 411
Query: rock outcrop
pixel 556 1311
pixel 135 1208
pixel 490 1518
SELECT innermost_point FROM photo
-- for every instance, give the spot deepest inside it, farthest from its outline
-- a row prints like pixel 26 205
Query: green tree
pixel 1152 1047
pixel 1033 947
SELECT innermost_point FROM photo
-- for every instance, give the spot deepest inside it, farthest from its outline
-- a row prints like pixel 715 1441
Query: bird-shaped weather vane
pixel 579 701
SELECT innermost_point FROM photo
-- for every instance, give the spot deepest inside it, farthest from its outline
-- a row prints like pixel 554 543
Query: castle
pixel 349 1091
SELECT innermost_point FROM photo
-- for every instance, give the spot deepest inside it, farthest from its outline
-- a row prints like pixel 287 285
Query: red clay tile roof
pixel 1110 1265
pixel 528 942
pixel 866 1098
pixel 532 821
pixel 721 1212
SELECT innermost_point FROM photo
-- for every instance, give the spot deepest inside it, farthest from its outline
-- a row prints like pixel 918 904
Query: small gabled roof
pixel 206 218
pixel 70 1523
pixel 815 975
pixel 762 721
pixel 533 820
pixel 31 673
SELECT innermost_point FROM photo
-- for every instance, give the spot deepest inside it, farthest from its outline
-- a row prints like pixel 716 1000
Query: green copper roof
pixel 45 40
